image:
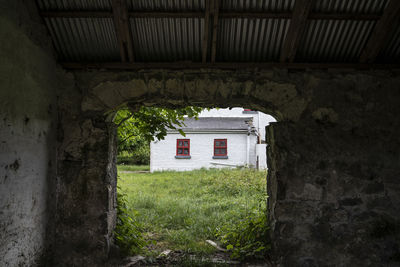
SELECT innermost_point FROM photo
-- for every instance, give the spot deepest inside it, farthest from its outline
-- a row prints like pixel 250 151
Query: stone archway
pixel 327 184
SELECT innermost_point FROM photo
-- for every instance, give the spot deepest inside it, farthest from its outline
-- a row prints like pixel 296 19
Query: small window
pixel 183 147
pixel 220 147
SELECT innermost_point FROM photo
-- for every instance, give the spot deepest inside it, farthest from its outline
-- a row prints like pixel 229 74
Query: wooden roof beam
pixel 382 32
pixel 122 28
pixel 222 65
pixel 215 31
pixel 195 14
pixel 297 26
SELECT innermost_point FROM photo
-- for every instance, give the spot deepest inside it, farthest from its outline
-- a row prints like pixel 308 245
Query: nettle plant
pixel 128 231
pixel 248 238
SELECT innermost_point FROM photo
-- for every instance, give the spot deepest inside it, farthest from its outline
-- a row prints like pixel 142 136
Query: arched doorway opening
pixel 196 192
pixel 106 92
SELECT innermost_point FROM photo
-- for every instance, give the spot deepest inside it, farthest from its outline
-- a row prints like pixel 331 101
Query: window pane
pixel 222 143
pixel 186 151
pixel 180 143
pixel 223 151
pixel 216 143
pixel 179 150
pixel 217 151
pixel 186 143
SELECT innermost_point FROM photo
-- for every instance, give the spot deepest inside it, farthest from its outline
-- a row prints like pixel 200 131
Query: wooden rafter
pixel 382 32
pixel 239 14
pixel 206 28
pixel 215 31
pixel 297 26
pixel 220 65
pixel 122 28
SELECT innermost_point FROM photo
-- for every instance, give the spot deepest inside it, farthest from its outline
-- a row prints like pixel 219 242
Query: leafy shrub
pixel 123 159
pixel 140 156
pixel 136 130
pixel 248 238
pixel 128 232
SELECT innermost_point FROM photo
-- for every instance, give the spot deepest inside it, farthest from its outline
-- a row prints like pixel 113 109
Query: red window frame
pixel 221 147
pixel 183 147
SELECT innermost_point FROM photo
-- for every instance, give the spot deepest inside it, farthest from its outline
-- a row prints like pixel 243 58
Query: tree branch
pixel 123 141
pixel 124 120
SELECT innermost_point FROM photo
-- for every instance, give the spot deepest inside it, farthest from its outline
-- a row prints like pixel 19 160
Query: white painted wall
pixel 202 144
pixel 261 153
pixel 201 150
pixel 28 121
pixel 264 119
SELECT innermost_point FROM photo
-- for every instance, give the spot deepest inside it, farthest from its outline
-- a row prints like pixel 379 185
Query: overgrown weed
pixel 183 209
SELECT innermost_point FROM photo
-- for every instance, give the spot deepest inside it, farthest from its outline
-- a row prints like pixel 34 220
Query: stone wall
pixel 28 113
pixel 333 156
pixel 86 197
pixel 335 175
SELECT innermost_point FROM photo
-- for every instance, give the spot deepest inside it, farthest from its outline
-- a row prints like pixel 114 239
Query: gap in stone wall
pixel 229 131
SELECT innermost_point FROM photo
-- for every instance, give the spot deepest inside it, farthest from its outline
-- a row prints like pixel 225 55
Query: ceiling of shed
pixel 229 32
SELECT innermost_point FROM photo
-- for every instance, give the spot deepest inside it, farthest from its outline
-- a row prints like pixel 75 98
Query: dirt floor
pixel 178 258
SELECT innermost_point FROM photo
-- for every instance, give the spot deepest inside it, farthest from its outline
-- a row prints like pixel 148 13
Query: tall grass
pixel 180 210
pixel 133 168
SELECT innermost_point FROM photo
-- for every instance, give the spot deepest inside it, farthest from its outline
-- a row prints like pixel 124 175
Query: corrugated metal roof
pixel 239 39
pixel 98 5
pixel 350 6
pixel 257 5
pixel 251 39
pixel 166 5
pixel 392 51
pixel 334 40
pixel 167 39
pixel 84 39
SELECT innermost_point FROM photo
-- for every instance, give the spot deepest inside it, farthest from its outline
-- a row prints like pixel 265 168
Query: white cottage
pixel 219 138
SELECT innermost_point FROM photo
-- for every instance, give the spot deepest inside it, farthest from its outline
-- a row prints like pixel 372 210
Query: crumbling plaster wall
pixel 29 79
pixel 333 157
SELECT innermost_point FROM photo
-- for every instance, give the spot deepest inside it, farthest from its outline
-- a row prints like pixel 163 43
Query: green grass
pixel 133 167
pixel 180 210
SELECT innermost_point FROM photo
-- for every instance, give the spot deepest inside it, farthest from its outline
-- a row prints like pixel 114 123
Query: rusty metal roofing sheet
pixel 83 39
pixel 251 39
pixel 98 5
pixel 334 40
pixel 167 39
pixel 350 6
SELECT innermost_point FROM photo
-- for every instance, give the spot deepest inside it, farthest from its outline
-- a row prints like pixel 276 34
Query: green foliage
pixel 248 236
pixel 133 168
pixel 247 239
pixel 128 231
pixel 135 131
pixel 141 156
pixel 180 210
pixel 150 122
